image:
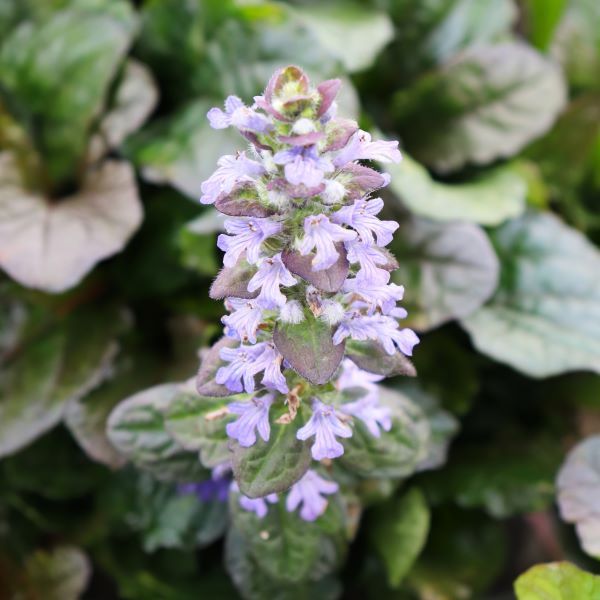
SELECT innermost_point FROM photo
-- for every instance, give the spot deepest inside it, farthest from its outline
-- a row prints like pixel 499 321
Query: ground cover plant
pixel 300 299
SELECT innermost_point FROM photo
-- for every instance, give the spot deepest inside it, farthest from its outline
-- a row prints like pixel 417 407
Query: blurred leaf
pixel 52 467
pixel 578 485
pixel 182 150
pixel 506 478
pixel 398 530
pixel 449 270
pixel 273 466
pixel 490 199
pixel 395 453
pixel 136 428
pixel 352 33
pixel 287 548
pixel 255 584
pixel 198 424
pixel 135 98
pixel 472 111
pixel 59 363
pixel 52 244
pixel 198 252
pixel 543 319
pixel 86 418
pixel 465 552
pixel 59 574
pixel 576 44
pixel 542 18
pixel 163 516
pixel 70 58
pixel 557 581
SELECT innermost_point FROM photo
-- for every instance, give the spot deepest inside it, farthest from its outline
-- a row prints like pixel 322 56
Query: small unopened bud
pixel 291 312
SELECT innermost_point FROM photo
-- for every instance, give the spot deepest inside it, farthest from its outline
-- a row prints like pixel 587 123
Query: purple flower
pixel 238 115
pixel 269 361
pixel 352 376
pixel 271 274
pixel 243 322
pixel 377 327
pixel 308 493
pixel 375 293
pixel 361 217
pixel 370 412
pixel 232 170
pixel 242 367
pixel 248 234
pixel 324 424
pixel 254 416
pixel 319 232
pixel 360 147
pixel 215 488
pixel 255 505
pixel 369 258
pixel 303 165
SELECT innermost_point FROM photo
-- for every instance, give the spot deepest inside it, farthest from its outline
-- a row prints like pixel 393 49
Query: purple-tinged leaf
pixel 337 133
pixel 305 139
pixel 328 90
pixel 328 280
pixel 243 202
pixel 253 138
pixel 392 261
pixel 282 78
pixel 309 349
pixel 370 356
pixel 209 364
pixel 359 180
pixel 232 282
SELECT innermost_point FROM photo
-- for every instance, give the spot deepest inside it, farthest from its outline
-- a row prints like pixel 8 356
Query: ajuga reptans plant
pixel 314 321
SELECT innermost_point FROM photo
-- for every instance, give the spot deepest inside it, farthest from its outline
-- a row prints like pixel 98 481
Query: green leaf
pixel 398 531
pixel 308 347
pixel 51 246
pixel 576 44
pixel 286 547
pixel 541 319
pixel 542 18
pixel 56 364
pixel 136 428
pixel 344 28
pixel 255 584
pixel 181 150
pixel 578 484
pixel 71 58
pixel 492 198
pixel 465 553
pixel 557 581
pixel 506 478
pixel 59 574
pixel 273 466
pixel 395 453
pixel 470 111
pixel 449 270
pixel 198 424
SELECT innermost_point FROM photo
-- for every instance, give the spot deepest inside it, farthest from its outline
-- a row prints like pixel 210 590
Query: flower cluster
pixel 304 260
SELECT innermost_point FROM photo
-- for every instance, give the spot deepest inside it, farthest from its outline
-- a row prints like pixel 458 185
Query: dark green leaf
pixel 273 466
pixel 398 530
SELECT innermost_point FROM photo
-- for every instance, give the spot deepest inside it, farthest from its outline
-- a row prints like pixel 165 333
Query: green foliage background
pixel 107 257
